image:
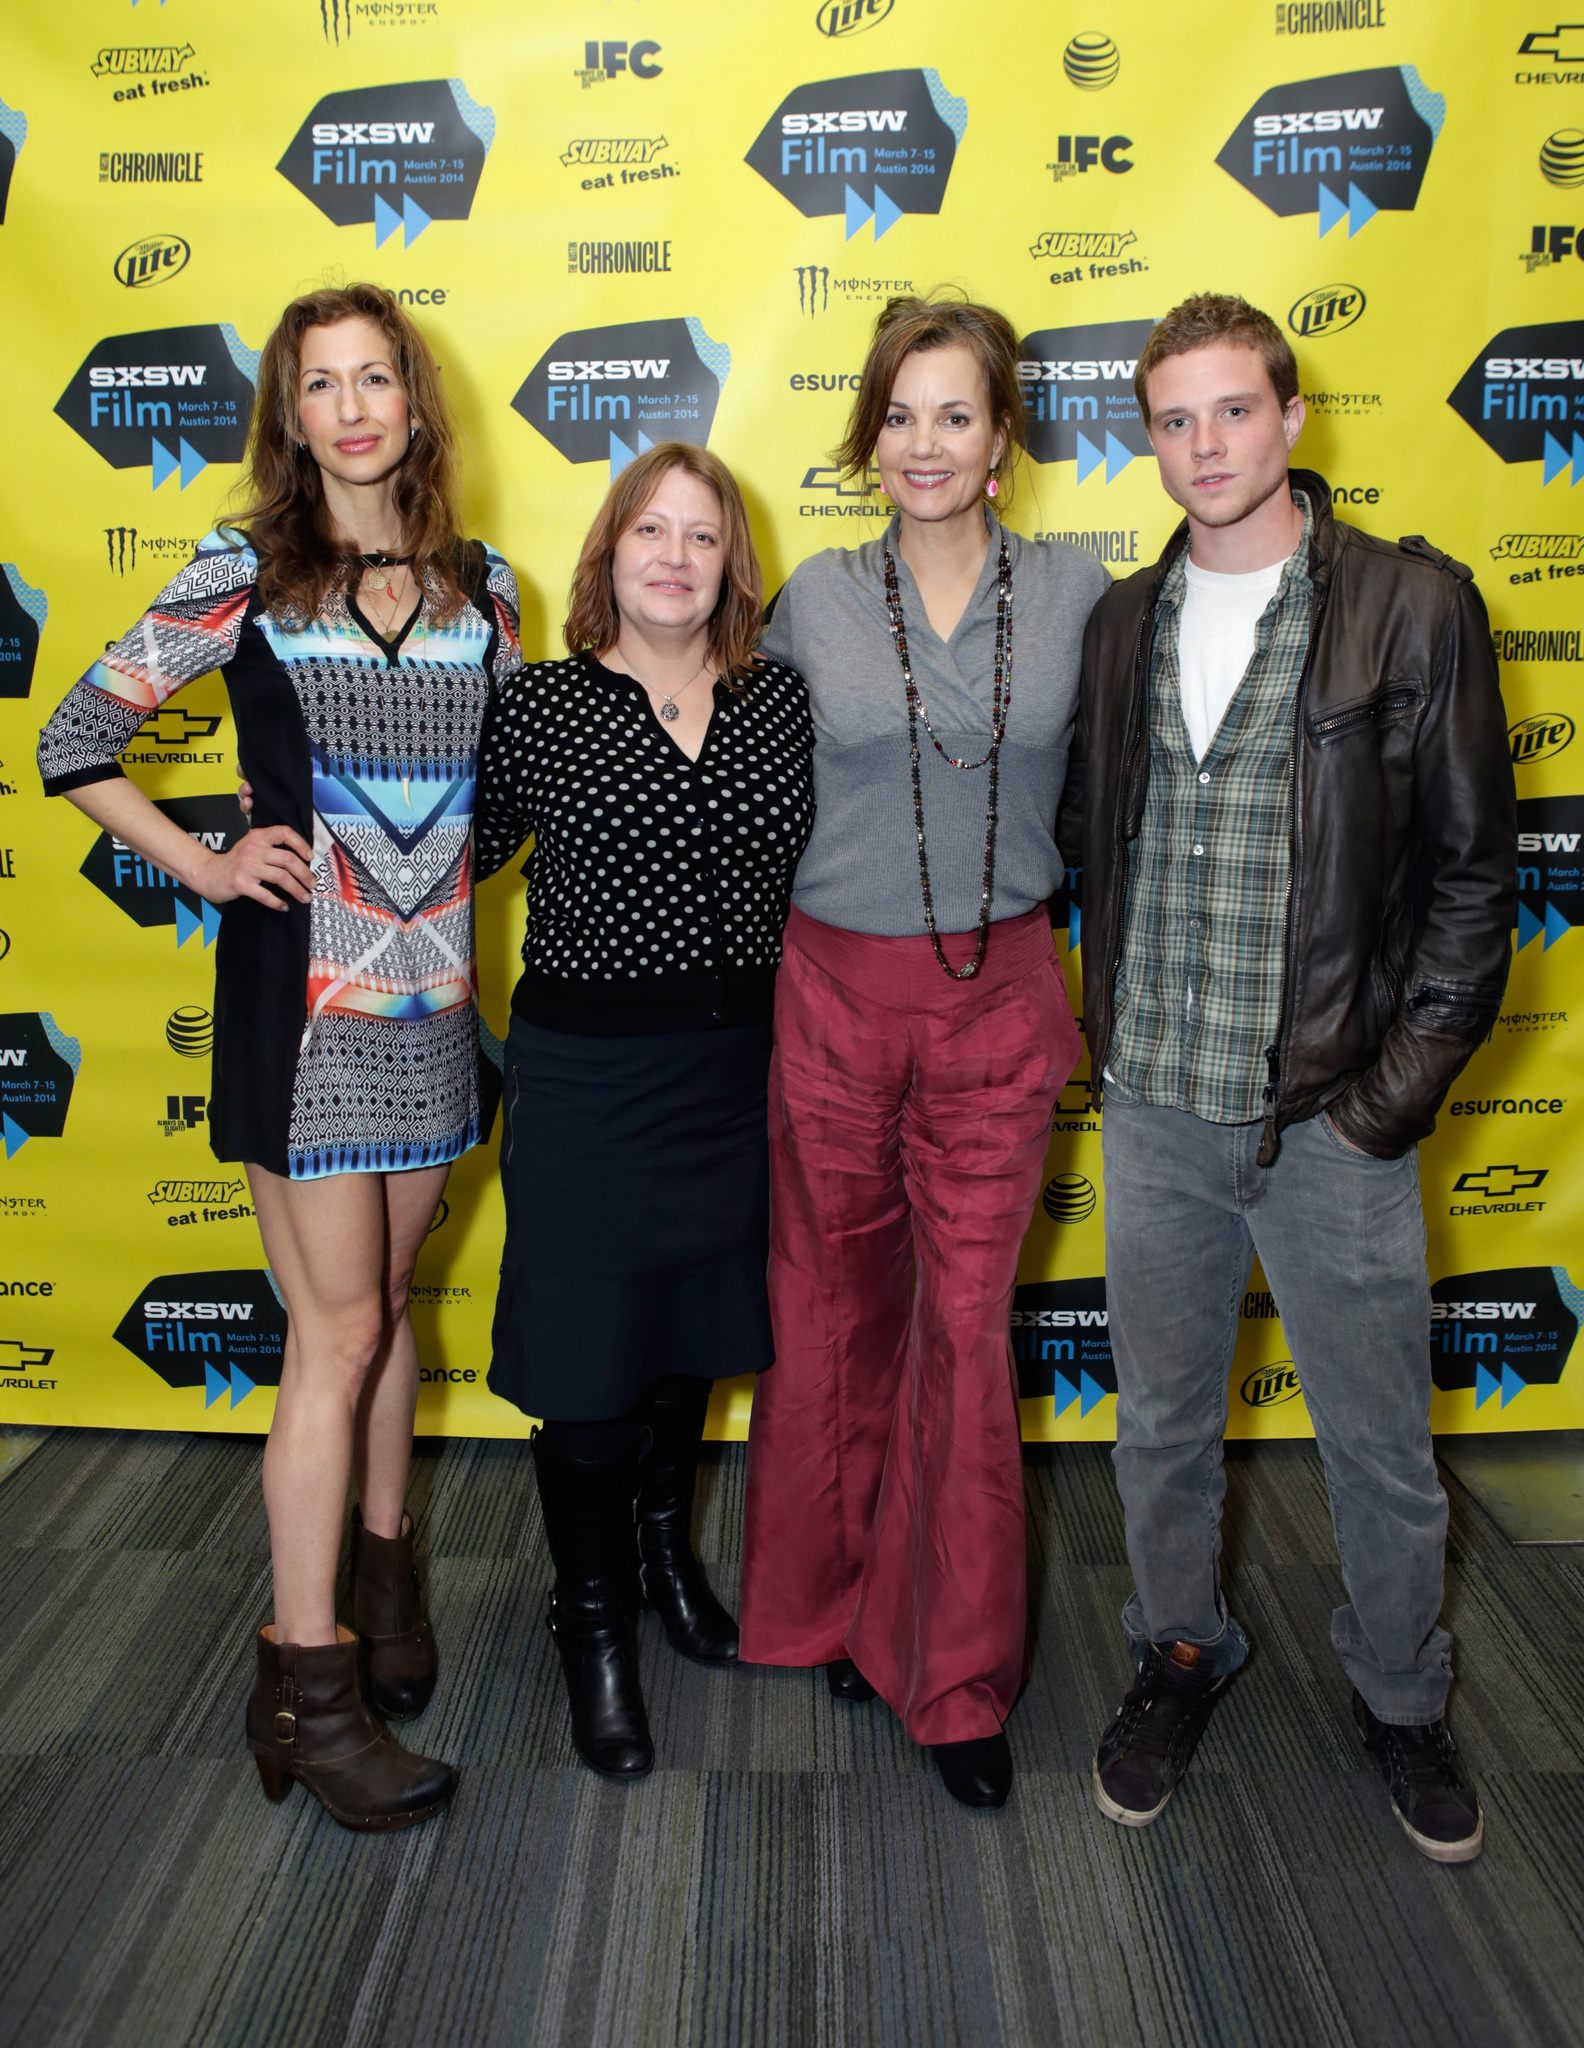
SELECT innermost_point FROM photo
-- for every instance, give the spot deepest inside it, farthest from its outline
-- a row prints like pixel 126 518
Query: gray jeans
pixel 1341 1238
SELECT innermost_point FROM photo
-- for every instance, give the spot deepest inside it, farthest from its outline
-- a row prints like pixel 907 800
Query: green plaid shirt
pixel 1199 984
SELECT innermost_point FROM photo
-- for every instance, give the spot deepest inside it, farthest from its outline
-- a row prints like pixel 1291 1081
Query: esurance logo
pixel 1502 1330
pixel 38 1068
pixel 174 399
pixel 605 394
pixel 148 895
pixel 224 1332
pixel 13 133
pixel 1346 147
pixel 1524 396
pixel 23 611
pixel 1078 390
pixel 869 148
pixel 401 156
pixel 1062 1344
pixel 1550 882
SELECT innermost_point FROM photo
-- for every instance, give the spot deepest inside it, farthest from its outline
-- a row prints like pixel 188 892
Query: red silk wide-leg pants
pixel 909 1120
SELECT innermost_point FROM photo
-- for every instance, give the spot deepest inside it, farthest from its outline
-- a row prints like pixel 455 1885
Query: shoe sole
pixel 1443 1852
pixel 1124 1816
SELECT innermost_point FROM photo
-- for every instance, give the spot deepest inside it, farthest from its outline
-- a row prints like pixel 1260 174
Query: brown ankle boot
pixel 306 1719
pixel 396 1647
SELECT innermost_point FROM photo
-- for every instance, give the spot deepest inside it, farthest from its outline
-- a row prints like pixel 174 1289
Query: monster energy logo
pixel 813 288
pixel 121 548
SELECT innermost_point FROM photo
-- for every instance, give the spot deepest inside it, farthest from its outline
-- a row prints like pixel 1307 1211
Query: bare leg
pixel 326 1244
pixel 382 1444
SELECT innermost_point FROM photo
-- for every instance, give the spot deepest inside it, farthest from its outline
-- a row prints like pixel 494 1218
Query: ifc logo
pixel 1091 61
pixel 190 1031
pixel 1326 310
pixel 1562 157
pixel 1069 1198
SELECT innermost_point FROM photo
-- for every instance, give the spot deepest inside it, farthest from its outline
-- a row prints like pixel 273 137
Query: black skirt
pixel 637 1181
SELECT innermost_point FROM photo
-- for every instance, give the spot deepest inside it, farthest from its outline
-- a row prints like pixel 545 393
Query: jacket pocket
pixel 1397 703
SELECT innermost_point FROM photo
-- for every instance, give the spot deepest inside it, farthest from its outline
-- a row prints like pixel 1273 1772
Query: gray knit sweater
pixel 860 871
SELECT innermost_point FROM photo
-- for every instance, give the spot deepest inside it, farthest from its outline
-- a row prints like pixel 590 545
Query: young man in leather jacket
pixel 1292 801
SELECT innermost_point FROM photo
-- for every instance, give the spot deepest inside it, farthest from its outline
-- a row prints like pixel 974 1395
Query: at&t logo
pixel 1562 157
pixel 1091 61
pixel 1069 1198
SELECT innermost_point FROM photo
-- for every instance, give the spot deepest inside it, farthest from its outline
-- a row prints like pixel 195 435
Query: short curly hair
pixel 1211 317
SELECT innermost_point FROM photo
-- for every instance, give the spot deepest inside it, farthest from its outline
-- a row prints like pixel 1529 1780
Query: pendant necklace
pixel 669 708
pixel 1000 701
pixel 379 569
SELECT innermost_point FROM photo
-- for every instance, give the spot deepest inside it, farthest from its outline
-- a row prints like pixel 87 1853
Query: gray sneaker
pixel 1145 1751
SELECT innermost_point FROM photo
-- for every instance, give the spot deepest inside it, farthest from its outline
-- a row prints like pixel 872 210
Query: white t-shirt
pixel 1215 643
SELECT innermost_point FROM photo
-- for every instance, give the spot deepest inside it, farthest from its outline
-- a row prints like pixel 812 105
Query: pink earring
pixel 991 488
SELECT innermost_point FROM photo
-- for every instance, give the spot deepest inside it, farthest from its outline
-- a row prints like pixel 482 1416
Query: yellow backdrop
pixel 624 219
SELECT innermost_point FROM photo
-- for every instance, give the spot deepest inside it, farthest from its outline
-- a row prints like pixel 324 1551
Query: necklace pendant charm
pixel 378 582
pixel 668 711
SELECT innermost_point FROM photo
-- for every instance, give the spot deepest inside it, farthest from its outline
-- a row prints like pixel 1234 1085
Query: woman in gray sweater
pixel 922 1036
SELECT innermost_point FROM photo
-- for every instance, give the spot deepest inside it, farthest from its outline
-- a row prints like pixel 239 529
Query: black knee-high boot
pixel 588 1506
pixel 671 1416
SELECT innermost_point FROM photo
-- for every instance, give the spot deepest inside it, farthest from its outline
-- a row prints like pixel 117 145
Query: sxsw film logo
pixel 154 260
pixel 13 133
pixel 1346 147
pixel 401 156
pixel 604 61
pixel 38 1067
pixel 1524 396
pixel 1062 1344
pixel 1078 389
pixel 224 1332
pixel 1326 310
pixel 1540 738
pixel 146 893
pixel 873 147
pixel 23 612
pixel 605 394
pixel 1503 1330
pixel 1550 884
pixel 176 398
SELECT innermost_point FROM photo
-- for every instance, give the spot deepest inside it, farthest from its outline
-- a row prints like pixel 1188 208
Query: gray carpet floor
pixel 793 1871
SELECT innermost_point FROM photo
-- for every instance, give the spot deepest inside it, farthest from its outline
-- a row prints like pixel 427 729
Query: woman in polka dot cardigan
pixel 662 772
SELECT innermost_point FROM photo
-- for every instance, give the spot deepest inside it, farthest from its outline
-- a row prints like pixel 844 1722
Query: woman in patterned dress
pixel 359 637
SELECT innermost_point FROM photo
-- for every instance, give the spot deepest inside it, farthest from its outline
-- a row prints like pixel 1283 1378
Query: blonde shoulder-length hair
pixel 592 622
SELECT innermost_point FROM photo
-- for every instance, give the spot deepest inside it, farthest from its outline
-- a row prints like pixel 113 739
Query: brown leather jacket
pixel 1404 882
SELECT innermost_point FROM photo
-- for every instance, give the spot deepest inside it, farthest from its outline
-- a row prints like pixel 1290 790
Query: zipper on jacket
pixel 1275 1056
pixel 1140 705
pixel 1365 714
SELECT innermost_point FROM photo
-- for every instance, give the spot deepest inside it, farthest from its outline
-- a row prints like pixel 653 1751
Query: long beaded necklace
pixel 1000 702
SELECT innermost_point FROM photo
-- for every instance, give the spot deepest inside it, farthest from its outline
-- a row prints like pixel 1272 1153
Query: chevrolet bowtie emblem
pixel 1499 1181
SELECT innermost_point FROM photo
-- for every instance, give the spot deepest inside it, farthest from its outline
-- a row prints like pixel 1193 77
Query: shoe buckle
pixel 285 1726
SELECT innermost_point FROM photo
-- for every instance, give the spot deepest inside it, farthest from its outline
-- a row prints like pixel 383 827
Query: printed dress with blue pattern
pixel 346 1030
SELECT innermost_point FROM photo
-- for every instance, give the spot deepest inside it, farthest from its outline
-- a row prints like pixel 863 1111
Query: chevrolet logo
pixel 1499 1181
pixel 1563 44
pixel 22 1358
pixel 174 727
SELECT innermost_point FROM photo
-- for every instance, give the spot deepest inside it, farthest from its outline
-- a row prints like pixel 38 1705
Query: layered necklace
pixel 1000 701
pixel 382 571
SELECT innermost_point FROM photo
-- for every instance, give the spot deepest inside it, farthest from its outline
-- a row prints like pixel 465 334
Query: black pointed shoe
pixel 671 1578
pixel 976 1773
pixel 1430 1791
pixel 847 1682
pixel 1153 1734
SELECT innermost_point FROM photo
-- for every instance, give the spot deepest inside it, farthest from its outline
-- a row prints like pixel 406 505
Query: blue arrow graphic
pixel 1529 926
pixel 1089 457
pixel 241 1386
pixel 1555 925
pixel 886 211
pixel 414 219
pixel 1074 927
pixel 192 463
pixel 1361 210
pixel 1331 209
pixel 620 456
pixel 1485 1384
pixel 1578 458
pixel 858 211
pixel 166 464
pixel 1511 1385
pixel 1092 1393
pixel 187 922
pixel 15 1136
pixel 210 913
pixel 1118 456
pixel 1066 1393
pixel 1557 459
pixel 386 221
pixel 214 1384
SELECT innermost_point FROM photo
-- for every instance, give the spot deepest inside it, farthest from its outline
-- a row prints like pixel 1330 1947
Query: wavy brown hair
pixel 943 320
pixel 592 621
pixel 284 514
